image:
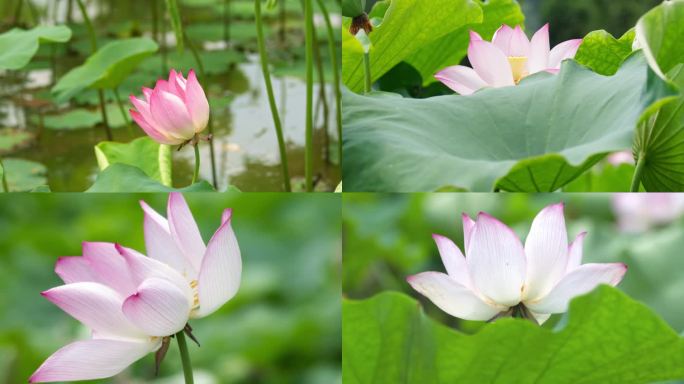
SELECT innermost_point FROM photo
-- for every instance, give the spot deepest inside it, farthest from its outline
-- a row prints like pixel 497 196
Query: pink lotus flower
pixel 174 111
pixel 214 270
pixel 622 157
pixel 638 212
pixel 505 61
pixel 131 302
pixel 498 276
pixel 127 300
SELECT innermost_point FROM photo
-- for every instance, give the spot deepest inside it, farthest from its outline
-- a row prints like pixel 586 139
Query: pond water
pixel 246 150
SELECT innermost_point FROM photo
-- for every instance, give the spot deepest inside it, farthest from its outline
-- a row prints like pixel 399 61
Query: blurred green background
pixel 282 327
pixel 388 237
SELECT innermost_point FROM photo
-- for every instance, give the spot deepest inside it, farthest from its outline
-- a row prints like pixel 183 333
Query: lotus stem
pixel 17 12
pixel 89 26
pixel 367 72
pixel 162 46
pixel 123 111
pixel 103 110
pixel 185 356
pixel 210 124
pixel 93 47
pixel 322 100
pixel 226 21
pixel 310 37
pixel 195 174
pixel 282 21
pixel 155 20
pixel 271 98
pixel 5 187
pixel 336 76
pixel 174 14
pixel 636 180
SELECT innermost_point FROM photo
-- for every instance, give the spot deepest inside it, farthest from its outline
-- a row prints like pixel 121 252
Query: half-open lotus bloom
pixel 506 60
pixel 213 270
pixel 174 111
pixel 130 301
pixel 498 275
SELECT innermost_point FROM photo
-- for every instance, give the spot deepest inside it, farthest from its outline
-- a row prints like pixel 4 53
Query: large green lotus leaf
pixel 407 27
pixel 18 46
pixel 660 139
pixel 122 178
pixel 24 175
pixel 660 33
pixel 451 48
pixel 537 136
pixel 106 68
pixel 12 139
pixel 603 53
pixel 151 157
pixel 609 338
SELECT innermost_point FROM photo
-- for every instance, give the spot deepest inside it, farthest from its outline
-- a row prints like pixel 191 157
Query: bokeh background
pixel 388 237
pixel 282 327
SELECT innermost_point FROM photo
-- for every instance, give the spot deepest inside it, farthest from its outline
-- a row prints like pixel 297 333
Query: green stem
pixel 310 37
pixel 17 12
pixel 155 20
pixel 197 161
pixel 322 100
pixel 123 111
pixel 210 124
pixel 5 187
pixel 103 110
pixel 271 98
pixel 89 26
pixel 185 356
pixel 93 47
pixel 336 76
pixel 226 21
pixel 162 45
pixel 367 72
pixel 636 180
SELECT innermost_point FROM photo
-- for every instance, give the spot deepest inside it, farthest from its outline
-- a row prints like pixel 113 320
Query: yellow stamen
pixel 518 67
pixel 195 294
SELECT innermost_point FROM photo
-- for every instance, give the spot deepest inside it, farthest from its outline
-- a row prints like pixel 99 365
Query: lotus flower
pixel 174 111
pixel 622 157
pixel 638 212
pixel 131 302
pixel 498 276
pixel 505 61
pixel 213 271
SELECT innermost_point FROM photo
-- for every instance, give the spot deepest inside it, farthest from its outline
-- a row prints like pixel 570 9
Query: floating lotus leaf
pixel 18 46
pixel 106 68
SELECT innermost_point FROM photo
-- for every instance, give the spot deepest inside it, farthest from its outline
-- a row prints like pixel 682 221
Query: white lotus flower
pixel 498 276
pixel 638 212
